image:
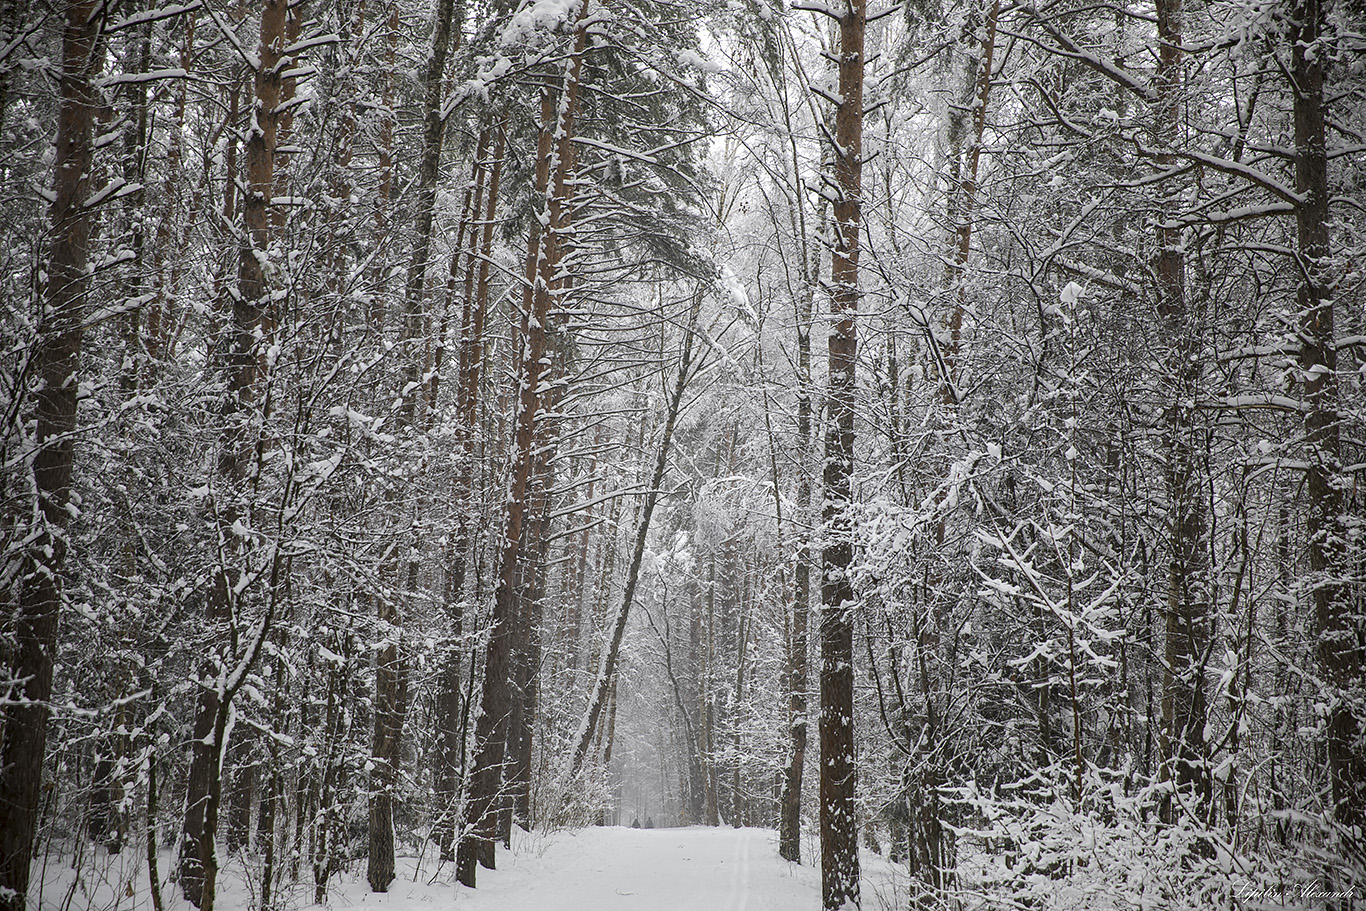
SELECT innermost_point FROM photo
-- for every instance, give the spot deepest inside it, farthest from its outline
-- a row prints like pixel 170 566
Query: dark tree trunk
pixel 838 824
pixel 449 745
pixel 467 408
pixel 1339 632
pixel 491 728
pixel 198 861
pixel 56 364
pixel 385 749
pixel 527 657
pixel 325 851
pixel 433 132
pixel 389 678
pixel 242 792
pixel 1182 742
pixel 790 801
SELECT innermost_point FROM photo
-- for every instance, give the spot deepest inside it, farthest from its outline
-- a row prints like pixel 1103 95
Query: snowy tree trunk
pixel 463 249
pixel 1339 648
pixel 433 132
pixel 1182 745
pixel 838 824
pixel 555 277
pixel 963 178
pixel 467 409
pixel 516 804
pixel 325 852
pixel 608 662
pixel 448 742
pixel 198 861
pixel 386 747
pixel 491 726
pixel 157 335
pixel 790 800
pixel 56 364
pixel 390 682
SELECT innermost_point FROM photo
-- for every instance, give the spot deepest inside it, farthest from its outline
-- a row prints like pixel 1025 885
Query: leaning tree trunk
pixel 56 364
pixel 838 824
pixel 608 661
pixel 963 188
pixel 1339 633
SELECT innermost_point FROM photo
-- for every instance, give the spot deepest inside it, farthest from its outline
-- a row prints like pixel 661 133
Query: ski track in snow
pixel 739 887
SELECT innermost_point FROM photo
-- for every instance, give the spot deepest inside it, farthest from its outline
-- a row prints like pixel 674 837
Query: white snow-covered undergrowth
pixel 596 869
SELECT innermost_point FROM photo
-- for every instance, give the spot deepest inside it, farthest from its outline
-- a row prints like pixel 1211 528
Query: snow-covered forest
pixel 926 428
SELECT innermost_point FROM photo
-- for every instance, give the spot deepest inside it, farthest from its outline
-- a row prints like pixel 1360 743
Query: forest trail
pixel 606 868
pixel 603 868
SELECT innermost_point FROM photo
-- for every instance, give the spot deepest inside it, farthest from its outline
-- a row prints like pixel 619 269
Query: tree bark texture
pixel 1182 744
pixel 386 747
pixel 838 824
pixel 56 364
pixel 1339 648
pixel 467 409
pixel 790 799
pixel 963 190
pixel 250 301
pixel 433 132
pixel 491 726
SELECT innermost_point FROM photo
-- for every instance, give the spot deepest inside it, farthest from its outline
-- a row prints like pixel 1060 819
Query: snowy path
pixel 620 869
pixel 697 869
pixel 595 869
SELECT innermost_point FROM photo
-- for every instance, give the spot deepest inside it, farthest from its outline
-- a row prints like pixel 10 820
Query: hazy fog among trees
pixel 931 428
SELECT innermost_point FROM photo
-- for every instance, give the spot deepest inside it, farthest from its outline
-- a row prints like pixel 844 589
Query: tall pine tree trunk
pixel 433 133
pixel 56 364
pixel 790 800
pixel 1339 632
pixel 491 727
pixel 1182 738
pixel 963 192
pixel 838 824
pixel 475 307
pixel 198 860
pixel 536 537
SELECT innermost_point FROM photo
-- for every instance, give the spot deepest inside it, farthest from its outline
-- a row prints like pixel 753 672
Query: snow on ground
pixel 616 869
pixel 603 869
pixel 596 869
